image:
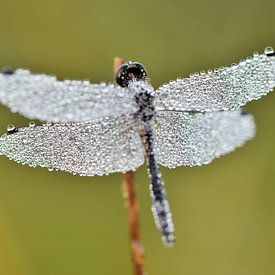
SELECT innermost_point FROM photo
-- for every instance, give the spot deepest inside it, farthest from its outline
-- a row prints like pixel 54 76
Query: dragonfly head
pixel 130 71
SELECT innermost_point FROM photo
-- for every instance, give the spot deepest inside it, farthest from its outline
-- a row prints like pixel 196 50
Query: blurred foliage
pixel 56 223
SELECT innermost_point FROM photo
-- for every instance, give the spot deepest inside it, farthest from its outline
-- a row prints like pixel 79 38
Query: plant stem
pixel 129 194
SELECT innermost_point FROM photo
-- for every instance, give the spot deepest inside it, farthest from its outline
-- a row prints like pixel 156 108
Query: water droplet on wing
pixel 269 50
pixel 31 123
pixel 11 129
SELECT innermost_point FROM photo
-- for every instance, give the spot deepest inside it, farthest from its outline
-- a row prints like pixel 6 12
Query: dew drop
pixel 11 129
pixel 255 54
pixel 31 123
pixel 269 51
pixel 25 141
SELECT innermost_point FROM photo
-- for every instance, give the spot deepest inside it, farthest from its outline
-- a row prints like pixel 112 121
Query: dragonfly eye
pixel 7 71
pixel 130 71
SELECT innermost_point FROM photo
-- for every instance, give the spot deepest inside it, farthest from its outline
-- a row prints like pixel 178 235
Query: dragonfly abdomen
pixel 160 205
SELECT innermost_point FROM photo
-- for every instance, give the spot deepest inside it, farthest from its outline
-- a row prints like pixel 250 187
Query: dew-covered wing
pixel 184 139
pixel 95 148
pixel 226 88
pixel 39 96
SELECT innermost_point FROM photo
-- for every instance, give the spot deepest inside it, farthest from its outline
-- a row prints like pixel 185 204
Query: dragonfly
pixel 98 129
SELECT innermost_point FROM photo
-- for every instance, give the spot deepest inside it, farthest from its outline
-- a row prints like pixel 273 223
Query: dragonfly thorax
pixel 144 95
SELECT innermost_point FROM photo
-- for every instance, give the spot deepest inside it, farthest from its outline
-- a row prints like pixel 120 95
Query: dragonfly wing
pixel 222 89
pixel 43 97
pixel 184 139
pixel 92 148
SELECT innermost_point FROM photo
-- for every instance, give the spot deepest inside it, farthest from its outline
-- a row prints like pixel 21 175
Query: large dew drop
pixel 11 129
pixel 269 51
pixel 31 124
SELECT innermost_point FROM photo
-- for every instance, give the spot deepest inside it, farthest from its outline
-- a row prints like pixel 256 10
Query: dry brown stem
pixel 129 194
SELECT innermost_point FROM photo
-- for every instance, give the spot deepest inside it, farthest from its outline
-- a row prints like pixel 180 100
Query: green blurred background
pixel 53 223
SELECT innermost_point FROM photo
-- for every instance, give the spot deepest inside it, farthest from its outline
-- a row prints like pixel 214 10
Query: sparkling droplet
pixel 255 54
pixel 11 129
pixel 31 123
pixel 269 51
pixel 25 141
